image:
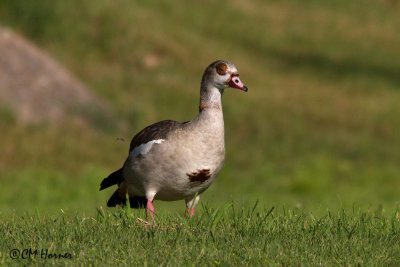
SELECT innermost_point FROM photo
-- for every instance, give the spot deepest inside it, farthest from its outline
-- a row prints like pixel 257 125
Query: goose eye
pixel 221 68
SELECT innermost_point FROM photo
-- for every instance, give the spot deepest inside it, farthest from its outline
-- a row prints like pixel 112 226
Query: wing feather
pixel 156 131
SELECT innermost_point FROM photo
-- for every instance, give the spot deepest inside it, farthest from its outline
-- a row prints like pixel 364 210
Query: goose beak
pixel 235 82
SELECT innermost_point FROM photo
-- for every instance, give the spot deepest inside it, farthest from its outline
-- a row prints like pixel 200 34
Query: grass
pixel 224 236
pixel 317 131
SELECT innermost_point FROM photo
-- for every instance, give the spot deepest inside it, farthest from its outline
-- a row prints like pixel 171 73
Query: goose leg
pixel 149 205
pixel 189 203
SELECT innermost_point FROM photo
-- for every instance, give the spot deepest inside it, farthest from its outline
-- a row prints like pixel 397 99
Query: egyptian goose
pixel 169 160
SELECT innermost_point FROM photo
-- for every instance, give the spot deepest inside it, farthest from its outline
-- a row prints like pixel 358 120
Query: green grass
pixel 224 236
pixel 318 130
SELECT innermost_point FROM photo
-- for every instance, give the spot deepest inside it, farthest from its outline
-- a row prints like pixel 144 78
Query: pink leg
pixel 150 207
pixel 191 212
pixel 191 203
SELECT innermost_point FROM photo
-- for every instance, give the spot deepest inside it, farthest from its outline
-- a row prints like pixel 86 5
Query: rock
pixel 36 88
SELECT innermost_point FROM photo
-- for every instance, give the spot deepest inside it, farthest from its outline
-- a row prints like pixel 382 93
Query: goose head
pixel 223 74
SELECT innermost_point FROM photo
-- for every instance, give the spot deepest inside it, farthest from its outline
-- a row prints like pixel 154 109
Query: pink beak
pixel 235 82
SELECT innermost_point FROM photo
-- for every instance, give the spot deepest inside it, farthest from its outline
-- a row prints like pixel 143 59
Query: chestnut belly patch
pixel 199 176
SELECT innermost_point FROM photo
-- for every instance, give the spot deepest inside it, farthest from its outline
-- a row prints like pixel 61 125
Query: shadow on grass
pixel 345 68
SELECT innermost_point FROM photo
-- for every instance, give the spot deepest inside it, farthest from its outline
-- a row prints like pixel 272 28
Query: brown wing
pixel 158 130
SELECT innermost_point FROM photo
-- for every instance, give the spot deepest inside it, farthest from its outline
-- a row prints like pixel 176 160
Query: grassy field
pixel 223 236
pixel 318 130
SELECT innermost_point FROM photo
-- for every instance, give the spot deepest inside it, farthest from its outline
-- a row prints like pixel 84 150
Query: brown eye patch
pixel 221 68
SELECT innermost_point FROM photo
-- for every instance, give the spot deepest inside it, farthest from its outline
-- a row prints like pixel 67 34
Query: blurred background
pixel 318 129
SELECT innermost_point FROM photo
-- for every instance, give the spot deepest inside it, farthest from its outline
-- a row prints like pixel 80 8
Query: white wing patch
pixel 145 148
